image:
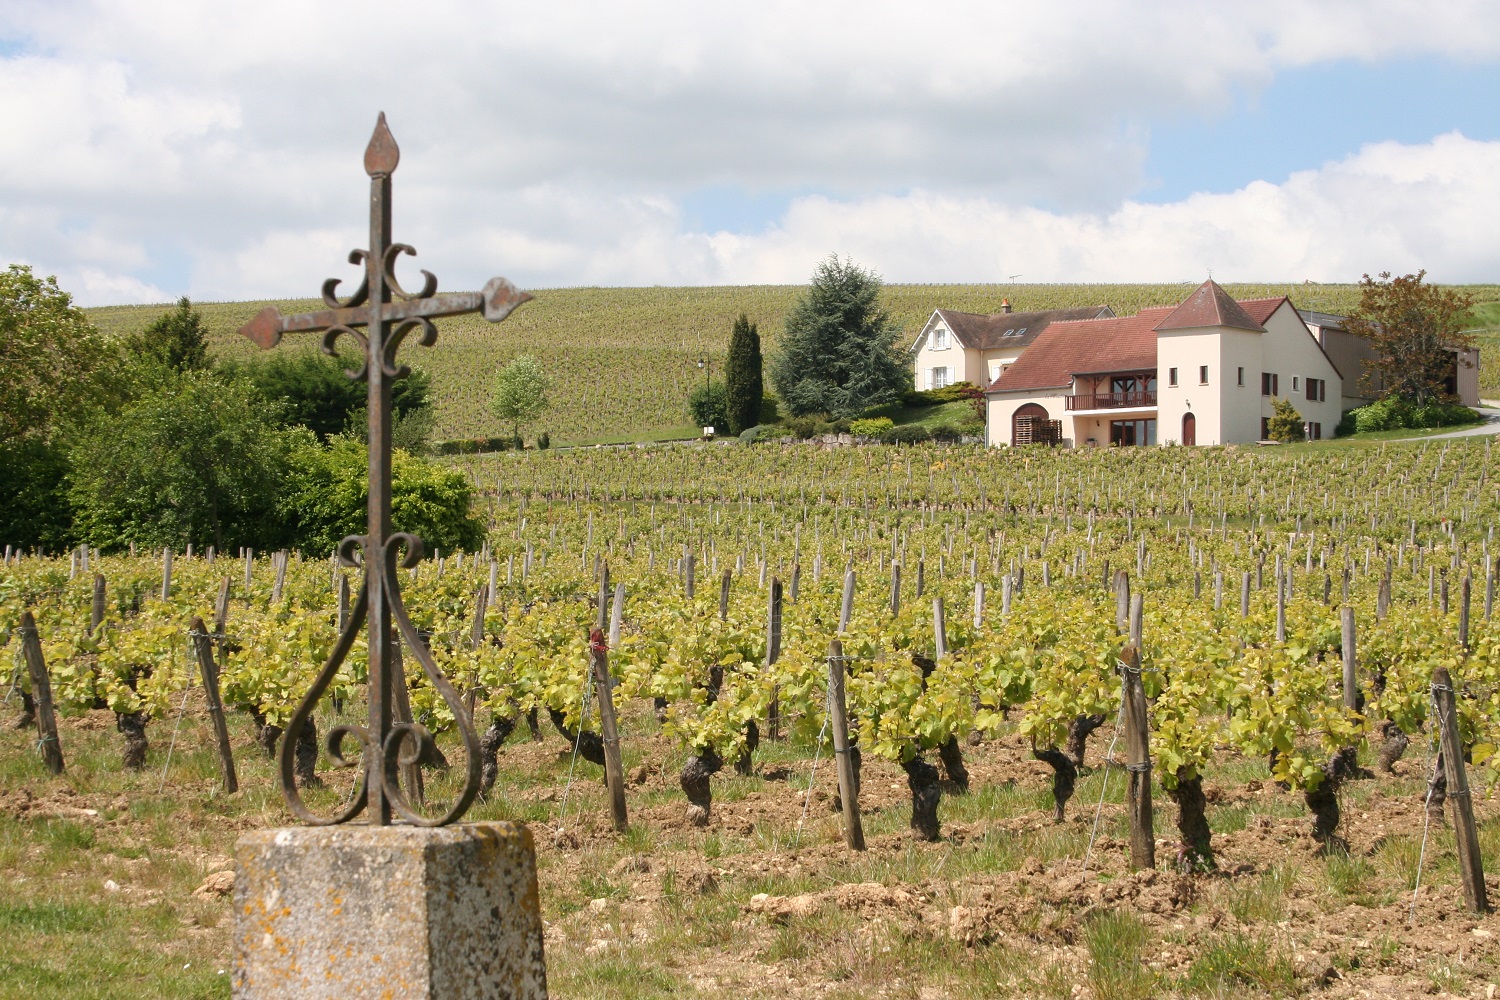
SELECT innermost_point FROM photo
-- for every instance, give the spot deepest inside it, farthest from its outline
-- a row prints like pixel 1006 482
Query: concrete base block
pixel 391 912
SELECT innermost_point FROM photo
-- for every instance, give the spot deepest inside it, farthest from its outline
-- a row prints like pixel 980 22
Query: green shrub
pixel 770 410
pixel 543 441
pixel 906 434
pixel 946 433
pixel 871 426
pixel 1393 413
pixel 951 393
pixel 1348 423
pixel 761 432
pixel 708 406
pixel 1387 414
pixel 1443 415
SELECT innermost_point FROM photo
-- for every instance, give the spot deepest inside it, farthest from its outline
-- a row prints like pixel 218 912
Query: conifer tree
pixel 744 384
pixel 839 354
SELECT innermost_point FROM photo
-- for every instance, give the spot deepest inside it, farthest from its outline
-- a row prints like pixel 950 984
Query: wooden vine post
pixel 209 671
pixel 1471 867
pixel 773 653
pixel 854 832
pixel 41 693
pixel 96 612
pixel 614 774
pixel 1350 655
pixel 1138 766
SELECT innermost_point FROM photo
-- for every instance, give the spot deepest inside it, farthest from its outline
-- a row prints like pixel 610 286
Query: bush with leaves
pixel 706 406
pixel 314 391
pixel 194 457
pixel 871 426
pixel 329 490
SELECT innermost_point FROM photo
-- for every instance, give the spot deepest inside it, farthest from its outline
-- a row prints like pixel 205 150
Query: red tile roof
pixel 1083 347
pixel 1210 306
pixel 1261 310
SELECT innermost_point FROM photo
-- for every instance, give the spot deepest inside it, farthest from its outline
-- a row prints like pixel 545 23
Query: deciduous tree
pixel 840 354
pixel 520 392
pixel 1415 329
pixel 52 360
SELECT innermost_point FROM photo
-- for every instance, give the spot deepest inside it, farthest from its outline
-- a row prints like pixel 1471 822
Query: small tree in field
pixel 1286 423
pixel 744 385
pixel 839 354
pixel 520 393
pixel 1414 329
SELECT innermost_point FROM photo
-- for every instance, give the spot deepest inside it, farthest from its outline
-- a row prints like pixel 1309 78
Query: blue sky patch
pixel 1311 116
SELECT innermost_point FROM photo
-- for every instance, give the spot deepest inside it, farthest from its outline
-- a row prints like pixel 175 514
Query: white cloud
pixel 558 139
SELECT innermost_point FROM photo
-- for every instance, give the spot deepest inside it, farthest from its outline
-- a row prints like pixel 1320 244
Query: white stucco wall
pixel 1000 407
pixel 1188 351
pixel 1289 350
pixel 963 365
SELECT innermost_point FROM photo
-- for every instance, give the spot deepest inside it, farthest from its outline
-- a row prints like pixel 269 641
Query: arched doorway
pixel 1030 425
pixel 1189 429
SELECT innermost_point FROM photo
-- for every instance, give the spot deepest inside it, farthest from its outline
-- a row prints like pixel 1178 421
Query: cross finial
pixel 382 154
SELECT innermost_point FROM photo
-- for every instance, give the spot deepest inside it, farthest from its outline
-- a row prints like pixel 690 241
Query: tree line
pixel 147 440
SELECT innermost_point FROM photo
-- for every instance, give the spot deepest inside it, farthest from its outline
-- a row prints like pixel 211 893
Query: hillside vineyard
pixel 622 360
pixel 972 593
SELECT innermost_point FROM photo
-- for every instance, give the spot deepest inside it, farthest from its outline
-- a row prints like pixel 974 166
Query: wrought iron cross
pixel 388 313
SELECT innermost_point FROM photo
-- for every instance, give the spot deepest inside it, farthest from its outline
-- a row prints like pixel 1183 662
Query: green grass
pixel 623 360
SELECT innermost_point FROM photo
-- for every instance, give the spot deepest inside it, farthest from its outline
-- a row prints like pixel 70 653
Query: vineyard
pixel 649 340
pixel 989 612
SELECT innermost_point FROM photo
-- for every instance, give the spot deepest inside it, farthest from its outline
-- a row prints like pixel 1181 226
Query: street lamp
pixel 708 367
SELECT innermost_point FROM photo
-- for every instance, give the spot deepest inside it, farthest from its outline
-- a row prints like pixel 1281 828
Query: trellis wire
pixel 1411 917
pixel 1109 758
pixel 813 774
pixel 180 712
pixel 583 714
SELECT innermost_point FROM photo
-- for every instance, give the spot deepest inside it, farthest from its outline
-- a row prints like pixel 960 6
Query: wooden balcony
pixel 1112 400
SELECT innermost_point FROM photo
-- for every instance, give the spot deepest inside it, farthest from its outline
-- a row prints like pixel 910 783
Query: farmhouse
pixel 974 347
pixel 1204 372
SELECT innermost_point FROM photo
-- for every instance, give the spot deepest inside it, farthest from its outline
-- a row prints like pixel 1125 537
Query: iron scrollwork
pixel 389 314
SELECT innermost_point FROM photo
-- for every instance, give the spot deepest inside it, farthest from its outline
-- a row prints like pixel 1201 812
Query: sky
pixel 153 149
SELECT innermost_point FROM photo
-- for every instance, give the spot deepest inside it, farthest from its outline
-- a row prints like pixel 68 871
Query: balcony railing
pixel 1112 400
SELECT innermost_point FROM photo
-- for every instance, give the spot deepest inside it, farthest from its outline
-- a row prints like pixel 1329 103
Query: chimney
pixel 1005 305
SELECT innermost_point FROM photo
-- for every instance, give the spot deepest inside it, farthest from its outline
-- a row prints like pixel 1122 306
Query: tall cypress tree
pixel 744 384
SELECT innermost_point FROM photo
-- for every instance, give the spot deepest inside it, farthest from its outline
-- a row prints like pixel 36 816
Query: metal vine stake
pixel 388 313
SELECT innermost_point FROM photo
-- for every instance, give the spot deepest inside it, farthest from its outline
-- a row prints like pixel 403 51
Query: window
pixel 939 378
pixel 1171 376
pixel 940 339
pixel 1203 374
pixel 1313 430
pixel 1295 386
pixel 1265 428
pixel 1128 433
pixel 1317 390
pixel 1268 385
pixel 1241 376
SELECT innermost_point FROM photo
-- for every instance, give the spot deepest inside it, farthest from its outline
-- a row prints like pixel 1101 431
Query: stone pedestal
pixel 450 913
